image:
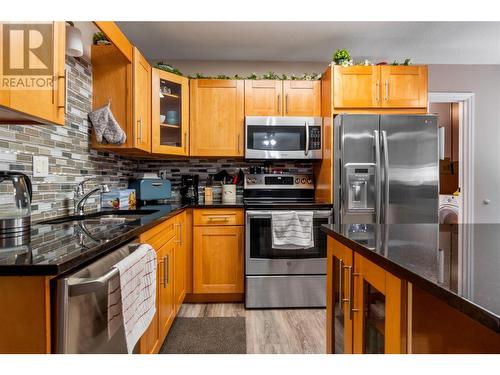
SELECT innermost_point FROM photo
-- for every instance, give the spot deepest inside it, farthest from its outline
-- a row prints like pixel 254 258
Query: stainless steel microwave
pixel 283 137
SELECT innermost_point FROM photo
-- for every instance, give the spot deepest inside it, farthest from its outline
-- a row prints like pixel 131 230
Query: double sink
pixel 102 217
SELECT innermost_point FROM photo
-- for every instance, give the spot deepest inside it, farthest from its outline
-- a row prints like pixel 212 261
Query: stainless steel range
pixel 278 278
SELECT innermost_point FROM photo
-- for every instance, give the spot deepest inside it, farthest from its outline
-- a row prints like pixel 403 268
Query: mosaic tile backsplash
pixel 71 159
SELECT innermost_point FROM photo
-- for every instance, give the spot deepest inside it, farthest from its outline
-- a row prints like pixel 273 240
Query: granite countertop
pixel 55 249
pixel 466 276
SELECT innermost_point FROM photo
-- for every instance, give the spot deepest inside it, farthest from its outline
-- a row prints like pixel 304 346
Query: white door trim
pixel 466 147
pixel 466 182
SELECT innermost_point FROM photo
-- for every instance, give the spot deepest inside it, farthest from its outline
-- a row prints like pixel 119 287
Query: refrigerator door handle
pixel 378 184
pixel 386 175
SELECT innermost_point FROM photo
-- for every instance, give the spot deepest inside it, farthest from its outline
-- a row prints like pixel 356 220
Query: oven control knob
pixel 297 181
pixel 309 181
pixel 303 180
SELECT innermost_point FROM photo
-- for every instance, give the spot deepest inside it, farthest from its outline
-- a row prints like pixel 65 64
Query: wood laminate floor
pixel 281 331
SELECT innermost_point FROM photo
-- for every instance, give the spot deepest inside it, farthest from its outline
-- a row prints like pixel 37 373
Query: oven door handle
pixel 268 214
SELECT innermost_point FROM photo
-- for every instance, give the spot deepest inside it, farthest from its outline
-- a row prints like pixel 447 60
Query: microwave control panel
pixel 315 138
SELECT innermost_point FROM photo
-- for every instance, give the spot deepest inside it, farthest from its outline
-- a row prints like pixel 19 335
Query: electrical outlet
pixel 40 166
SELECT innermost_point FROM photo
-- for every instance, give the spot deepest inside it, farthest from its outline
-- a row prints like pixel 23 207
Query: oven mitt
pixel 106 127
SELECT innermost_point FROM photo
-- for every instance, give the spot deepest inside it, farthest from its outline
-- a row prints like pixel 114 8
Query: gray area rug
pixel 206 336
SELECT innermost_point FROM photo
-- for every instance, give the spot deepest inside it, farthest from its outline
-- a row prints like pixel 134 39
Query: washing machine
pixel 449 208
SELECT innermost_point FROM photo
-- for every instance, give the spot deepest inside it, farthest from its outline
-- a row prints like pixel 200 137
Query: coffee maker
pixel 189 188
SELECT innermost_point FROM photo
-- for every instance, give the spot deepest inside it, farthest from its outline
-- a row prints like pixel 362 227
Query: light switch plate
pixel 40 166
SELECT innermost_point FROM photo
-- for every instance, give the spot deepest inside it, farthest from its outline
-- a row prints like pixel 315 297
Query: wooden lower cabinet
pixel 377 307
pixel 361 299
pixel 166 298
pixel 169 238
pixel 180 260
pixel 218 255
pixel 339 324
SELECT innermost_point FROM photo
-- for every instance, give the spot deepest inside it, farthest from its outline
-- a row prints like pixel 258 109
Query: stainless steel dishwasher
pixel 82 308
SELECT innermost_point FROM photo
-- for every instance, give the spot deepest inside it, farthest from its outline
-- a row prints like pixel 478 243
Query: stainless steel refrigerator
pixel 386 169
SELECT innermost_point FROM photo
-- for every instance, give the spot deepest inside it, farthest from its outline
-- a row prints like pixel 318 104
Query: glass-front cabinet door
pixel 377 309
pixel 170 113
pixel 339 299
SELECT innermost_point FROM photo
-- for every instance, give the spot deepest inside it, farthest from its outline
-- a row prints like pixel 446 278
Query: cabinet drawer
pixel 222 216
pixel 160 234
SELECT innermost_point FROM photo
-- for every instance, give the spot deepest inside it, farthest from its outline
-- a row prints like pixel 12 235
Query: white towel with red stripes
pixel 132 295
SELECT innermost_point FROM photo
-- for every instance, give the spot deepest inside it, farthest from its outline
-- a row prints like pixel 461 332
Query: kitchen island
pixel 413 288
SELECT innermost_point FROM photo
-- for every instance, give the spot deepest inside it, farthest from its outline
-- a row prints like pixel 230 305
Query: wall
pixel 70 158
pixel 484 82
pixel 174 169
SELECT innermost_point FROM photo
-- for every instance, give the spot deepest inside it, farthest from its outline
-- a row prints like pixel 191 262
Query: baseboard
pixel 215 297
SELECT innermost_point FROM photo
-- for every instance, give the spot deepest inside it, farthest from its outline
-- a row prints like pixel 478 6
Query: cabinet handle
pixel 351 290
pixel 218 218
pixel 377 91
pixel 238 143
pixel 162 280
pixel 59 90
pixel 139 130
pixel 348 299
pixel 279 104
pixel 179 240
pixel 185 141
pixel 166 274
pixel 286 104
pixel 341 269
pixel 386 90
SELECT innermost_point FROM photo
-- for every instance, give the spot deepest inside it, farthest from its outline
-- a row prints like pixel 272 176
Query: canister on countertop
pixel 209 196
pixel 228 193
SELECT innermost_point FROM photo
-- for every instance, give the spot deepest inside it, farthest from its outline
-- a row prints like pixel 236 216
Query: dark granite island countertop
pixel 459 264
pixel 55 249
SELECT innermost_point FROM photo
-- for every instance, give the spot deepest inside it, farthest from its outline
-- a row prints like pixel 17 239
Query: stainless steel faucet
pixel 81 197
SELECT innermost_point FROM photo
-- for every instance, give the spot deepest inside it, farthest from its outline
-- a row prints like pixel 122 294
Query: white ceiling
pixel 424 42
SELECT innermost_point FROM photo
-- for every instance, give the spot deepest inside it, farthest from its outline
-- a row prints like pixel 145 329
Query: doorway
pixel 455 115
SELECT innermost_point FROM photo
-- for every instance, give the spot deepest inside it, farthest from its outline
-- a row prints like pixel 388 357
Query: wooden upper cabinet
pixel 170 113
pixel 356 86
pixel 403 86
pixel 39 105
pixel 126 87
pixel 217 117
pixel 263 98
pixel 142 102
pixel 282 98
pixel 302 98
pixel 384 87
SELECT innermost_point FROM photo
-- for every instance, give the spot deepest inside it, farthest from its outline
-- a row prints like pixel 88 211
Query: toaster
pixel 150 189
